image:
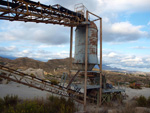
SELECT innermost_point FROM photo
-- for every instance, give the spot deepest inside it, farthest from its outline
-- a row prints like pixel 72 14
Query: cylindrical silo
pixel 80 39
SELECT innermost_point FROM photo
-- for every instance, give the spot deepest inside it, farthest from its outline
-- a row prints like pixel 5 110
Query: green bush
pixel 148 101
pixel 48 75
pixel 142 75
pixel 10 100
pixel 60 105
pixel 133 81
pixel 10 104
pixel 1 105
pixel 29 106
pixel 32 75
pixel 142 101
pixel 1 79
pixel 54 82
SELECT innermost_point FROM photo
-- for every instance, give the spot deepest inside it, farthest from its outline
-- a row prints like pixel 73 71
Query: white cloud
pixel 148 23
pixel 136 59
pixel 8 49
pixel 104 6
pixel 35 33
pixel 41 54
pixel 122 32
pixel 148 59
pixel 126 61
pixel 125 28
pixel 49 46
pixel 112 54
pixel 25 51
pixel 7 36
pixel 124 5
pixel 140 47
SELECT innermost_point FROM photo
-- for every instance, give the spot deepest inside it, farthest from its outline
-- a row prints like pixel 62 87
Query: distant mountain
pixel 50 65
pixel 8 57
pixel 25 63
pixel 105 67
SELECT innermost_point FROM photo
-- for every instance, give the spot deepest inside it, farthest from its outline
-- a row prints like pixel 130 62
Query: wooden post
pixel 100 93
pixel 86 62
pixel 71 39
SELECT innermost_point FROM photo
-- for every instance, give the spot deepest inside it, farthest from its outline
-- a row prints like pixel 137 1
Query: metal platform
pixel 112 90
pixel 88 86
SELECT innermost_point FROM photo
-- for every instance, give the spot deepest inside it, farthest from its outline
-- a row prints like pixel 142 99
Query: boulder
pixel 39 73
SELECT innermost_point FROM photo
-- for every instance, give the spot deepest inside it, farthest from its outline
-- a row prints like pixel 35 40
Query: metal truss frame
pixel 28 11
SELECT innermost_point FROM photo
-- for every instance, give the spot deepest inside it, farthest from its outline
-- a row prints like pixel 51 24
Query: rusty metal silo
pixel 80 39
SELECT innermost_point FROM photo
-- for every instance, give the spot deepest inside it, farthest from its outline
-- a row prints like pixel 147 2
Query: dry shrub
pixel 127 109
pixel 142 101
pixel 148 102
pixel 54 82
pixel 10 104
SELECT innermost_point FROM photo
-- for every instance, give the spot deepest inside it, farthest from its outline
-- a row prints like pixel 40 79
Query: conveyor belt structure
pixel 44 85
pixel 30 11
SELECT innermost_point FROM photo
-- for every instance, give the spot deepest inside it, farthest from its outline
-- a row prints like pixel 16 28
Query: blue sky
pixel 126 34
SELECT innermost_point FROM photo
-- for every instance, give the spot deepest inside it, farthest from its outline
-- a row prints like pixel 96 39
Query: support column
pixel 86 62
pixel 71 40
pixel 100 93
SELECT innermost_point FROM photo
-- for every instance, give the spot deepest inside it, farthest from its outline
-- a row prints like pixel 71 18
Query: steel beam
pixel 100 94
pixel 100 66
pixel 86 62
pixel 71 40
pixel 71 80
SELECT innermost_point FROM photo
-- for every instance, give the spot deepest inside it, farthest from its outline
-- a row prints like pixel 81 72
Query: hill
pixel 49 66
pixel 58 66
pixel 25 63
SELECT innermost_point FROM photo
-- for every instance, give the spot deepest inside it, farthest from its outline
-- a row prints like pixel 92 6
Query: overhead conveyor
pixel 30 11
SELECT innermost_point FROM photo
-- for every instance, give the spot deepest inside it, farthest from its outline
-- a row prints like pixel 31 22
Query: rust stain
pixel 93 33
pixel 92 51
pixel 93 41
pixel 93 25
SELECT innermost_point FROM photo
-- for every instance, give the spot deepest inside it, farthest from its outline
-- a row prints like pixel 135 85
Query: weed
pixel 128 109
pixel 148 102
pixel 1 105
pixel 141 101
pixel 10 100
pixel 54 82
pixel 1 79
pixel 10 104
pixel 30 106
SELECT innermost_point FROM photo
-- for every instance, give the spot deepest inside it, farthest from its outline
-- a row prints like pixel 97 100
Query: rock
pixel 141 110
pixel 39 73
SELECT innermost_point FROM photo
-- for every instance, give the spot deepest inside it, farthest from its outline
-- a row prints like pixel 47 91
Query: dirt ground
pixel 22 91
pixel 26 92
